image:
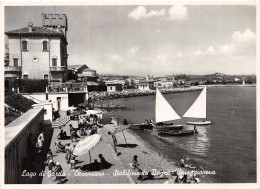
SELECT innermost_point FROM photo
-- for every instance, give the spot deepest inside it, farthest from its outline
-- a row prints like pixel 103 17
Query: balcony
pixel 13 68
pixel 58 68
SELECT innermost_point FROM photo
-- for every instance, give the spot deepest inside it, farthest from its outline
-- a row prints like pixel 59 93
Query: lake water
pixel 228 146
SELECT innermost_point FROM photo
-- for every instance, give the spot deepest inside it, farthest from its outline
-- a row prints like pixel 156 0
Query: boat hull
pixel 176 133
pixel 168 127
pixel 199 122
pixel 136 127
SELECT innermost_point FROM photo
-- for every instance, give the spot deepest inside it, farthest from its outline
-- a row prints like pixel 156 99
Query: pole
pixel 121 130
pixel 89 156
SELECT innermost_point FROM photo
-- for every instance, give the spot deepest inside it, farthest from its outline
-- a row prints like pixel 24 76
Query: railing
pixel 13 68
pixel 58 68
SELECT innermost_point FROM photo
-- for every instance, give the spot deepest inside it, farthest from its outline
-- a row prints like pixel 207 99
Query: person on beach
pixel 67 149
pixel 195 129
pixel 58 171
pixel 135 164
pixel 72 157
pixel 125 122
pixel 182 162
pixel 62 135
pixel 114 141
pixel 103 163
pixel 49 156
pixel 41 135
pixel 39 149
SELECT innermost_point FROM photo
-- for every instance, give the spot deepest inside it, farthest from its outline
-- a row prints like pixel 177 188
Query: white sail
pixel 198 108
pixel 163 110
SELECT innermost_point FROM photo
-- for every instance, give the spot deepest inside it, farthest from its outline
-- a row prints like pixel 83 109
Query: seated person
pixel 62 135
pixel 135 164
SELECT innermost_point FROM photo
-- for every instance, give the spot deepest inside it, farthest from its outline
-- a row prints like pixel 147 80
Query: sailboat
pixel 199 109
pixel 163 113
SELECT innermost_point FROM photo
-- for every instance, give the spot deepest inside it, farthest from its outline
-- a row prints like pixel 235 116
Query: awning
pixel 61 121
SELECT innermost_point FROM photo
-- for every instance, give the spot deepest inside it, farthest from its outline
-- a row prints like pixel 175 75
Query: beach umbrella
pixel 86 145
pixel 61 121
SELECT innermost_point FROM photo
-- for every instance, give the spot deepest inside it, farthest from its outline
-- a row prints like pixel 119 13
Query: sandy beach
pixel 148 157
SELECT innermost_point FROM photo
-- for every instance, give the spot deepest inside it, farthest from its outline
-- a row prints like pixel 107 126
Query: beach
pixel 148 157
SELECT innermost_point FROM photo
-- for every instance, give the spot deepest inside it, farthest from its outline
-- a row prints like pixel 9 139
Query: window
pixel 24 45
pixel 45 76
pixel 25 76
pixel 45 111
pixel 54 62
pixel 110 88
pixel 44 45
pixel 15 62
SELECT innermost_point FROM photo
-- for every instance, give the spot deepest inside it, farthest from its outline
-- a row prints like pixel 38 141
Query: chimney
pixel 30 26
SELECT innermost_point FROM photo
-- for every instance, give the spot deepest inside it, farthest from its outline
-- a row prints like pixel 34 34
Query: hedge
pixel 30 85
pixel 18 102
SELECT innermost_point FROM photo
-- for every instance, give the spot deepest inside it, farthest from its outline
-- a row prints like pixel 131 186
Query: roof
pixel 92 83
pixel 76 66
pixel 35 30
pixel 86 75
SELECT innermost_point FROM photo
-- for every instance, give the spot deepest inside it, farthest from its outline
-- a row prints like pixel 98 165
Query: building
pixel 146 85
pixel 115 85
pixel 164 83
pixel 84 74
pixel 39 52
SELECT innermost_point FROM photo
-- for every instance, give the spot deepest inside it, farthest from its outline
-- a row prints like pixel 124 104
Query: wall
pixel 111 88
pixel 16 134
pixel 48 112
pixel 64 102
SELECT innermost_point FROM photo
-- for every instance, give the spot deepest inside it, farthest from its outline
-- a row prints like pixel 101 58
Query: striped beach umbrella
pixel 61 121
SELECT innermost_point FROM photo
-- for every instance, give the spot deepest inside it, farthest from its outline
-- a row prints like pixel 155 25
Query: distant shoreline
pixel 136 93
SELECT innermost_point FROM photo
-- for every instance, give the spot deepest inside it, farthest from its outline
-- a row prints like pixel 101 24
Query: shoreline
pixel 99 96
pixel 148 157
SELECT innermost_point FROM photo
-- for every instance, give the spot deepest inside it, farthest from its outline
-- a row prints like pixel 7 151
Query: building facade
pixel 146 85
pixel 115 85
pixel 39 52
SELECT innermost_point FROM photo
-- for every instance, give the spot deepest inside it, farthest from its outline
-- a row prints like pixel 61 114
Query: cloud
pixel 198 53
pixel 243 43
pixel 140 13
pixel 179 54
pixel 178 12
pixel 247 37
pixel 159 31
pixel 211 50
pixel 133 51
pixel 117 58
pixel 161 57
pixel 227 49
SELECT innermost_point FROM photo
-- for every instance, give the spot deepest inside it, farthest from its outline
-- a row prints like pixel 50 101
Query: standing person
pixel 73 157
pixel 182 162
pixel 195 129
pixel 114 141
pixel 39 149
pixel 67 149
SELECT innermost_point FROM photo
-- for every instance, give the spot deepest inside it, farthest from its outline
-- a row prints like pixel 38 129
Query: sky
pixel 153 40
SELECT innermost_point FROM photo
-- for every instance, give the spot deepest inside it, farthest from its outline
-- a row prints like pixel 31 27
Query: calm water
pixel 228 146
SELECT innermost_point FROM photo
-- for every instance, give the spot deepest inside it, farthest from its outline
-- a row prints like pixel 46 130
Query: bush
pixel 18 102
pixel 30 85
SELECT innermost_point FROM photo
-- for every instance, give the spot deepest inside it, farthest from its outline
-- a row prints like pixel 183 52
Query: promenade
pixel 76 176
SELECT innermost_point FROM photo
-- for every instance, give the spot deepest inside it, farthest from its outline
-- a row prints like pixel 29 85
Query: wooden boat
pixel 199 122
pixel 169 127
pixel 137 126
pixel 176 133
pixel 199 109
